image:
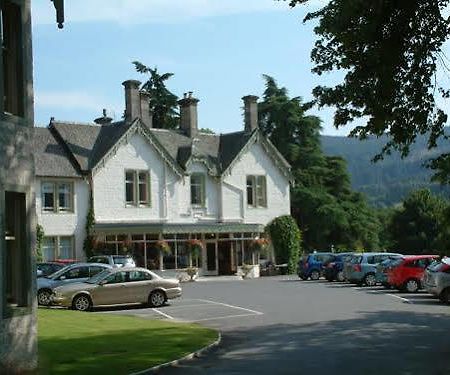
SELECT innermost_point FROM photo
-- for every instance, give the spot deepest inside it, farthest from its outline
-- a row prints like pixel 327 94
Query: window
pixel 256 191
pixel 77 273
pixel 49 249
pixel 198 189
pixel 57 248
pixel 94 270
pixel 57 196
pixel 139 276
pixel 137 188
pixel 12 61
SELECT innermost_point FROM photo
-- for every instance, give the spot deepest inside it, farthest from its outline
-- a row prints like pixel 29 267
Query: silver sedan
pixel 119 286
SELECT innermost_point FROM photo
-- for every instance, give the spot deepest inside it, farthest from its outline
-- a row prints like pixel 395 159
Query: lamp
pixel 59 6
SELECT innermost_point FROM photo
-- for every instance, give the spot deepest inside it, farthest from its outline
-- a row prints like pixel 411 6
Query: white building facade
pixel 151 187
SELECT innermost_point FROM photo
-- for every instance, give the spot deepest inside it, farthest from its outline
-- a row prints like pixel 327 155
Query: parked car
pixel 47 268
pixel 407 275
pixel 118 286
pixel 69 274
pixel 362 267
pixel 436 280
pixel 383 268
pixel 333 269
pixel 114 260
pixel 310 265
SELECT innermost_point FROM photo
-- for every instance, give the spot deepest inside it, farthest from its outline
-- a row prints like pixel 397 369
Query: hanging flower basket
pixel 163 247
pixel 259 244
pixel 195 247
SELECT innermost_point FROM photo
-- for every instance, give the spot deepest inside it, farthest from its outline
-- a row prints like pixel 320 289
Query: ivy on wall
pixel 39 241
pixel 89 241
pixel 286 239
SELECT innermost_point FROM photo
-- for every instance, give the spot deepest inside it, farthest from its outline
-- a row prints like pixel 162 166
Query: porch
pixel 224 247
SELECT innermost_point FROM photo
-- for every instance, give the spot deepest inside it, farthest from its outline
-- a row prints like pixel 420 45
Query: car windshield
pixel 100 276
pixel 356 259
pixel 437 266
pixel 123 260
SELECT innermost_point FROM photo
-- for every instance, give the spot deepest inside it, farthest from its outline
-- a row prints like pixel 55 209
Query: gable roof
pixel 51 160
pixel 87 146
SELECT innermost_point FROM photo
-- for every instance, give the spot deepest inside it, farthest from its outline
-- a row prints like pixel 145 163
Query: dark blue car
pixel 310 265
pixel 334 268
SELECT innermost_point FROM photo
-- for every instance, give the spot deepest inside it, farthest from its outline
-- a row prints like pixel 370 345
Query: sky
pixel 219 49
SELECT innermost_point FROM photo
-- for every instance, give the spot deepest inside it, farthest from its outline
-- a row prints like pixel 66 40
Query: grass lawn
pixel 72 342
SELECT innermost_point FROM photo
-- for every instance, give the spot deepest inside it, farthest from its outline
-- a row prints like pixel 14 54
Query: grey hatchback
pixel 69 274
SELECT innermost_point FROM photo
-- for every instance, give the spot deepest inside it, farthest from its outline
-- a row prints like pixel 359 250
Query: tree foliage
pixel 286 239
pixel 163 103
pixel 389 51
pixel 323 203
pixel 39 242
pixel 416 227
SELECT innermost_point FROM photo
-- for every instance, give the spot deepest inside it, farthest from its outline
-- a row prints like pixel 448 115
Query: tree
pixel 286 239
pixel 326 209
pixel 163 103
pixel 390 51
pixel 415 228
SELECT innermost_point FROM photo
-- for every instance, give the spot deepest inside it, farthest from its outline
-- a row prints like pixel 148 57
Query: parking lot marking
pixel 163 314
pixel 223 317
pixel 401 298
pixel 232 306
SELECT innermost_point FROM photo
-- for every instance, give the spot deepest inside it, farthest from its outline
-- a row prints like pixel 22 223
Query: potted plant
pixel 195 248
pixel 259 244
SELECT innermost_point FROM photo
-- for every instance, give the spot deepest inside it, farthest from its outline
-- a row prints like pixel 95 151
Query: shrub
pixel 192 272
pixel 39 241
pixel 286 239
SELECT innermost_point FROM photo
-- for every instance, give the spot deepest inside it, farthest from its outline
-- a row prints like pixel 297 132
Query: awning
pixel 141 228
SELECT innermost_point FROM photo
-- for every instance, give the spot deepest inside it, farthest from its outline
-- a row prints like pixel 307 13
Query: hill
pixel 388 181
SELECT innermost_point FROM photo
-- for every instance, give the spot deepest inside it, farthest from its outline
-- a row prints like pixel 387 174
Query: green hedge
pixel 286 239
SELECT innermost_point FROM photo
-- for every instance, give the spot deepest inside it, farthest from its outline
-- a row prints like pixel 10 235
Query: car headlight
pixel 57 294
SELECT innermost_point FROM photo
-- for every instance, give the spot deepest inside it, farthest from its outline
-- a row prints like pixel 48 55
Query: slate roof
pixel 51 160
pixel 87 144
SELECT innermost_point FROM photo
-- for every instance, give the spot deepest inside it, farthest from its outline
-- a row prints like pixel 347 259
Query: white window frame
pixel 202 186
pixel 258 185
pixel 136 183
pixel 56 185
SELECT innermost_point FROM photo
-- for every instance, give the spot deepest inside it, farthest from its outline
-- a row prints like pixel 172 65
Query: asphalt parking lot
pixel 281 325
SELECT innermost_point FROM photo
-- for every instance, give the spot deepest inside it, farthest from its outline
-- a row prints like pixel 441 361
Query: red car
pixel 408 274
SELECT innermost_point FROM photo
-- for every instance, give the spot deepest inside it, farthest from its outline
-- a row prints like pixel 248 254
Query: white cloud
pixel 73 100
pixel 149 11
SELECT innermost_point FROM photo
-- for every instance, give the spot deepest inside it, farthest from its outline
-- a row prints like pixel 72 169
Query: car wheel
pixel 370 280
pixel 412 286
pixel 44 297
pixel 82 303
pixel 340 276
pixel 315 275
pixel 445 296
pixel 157 298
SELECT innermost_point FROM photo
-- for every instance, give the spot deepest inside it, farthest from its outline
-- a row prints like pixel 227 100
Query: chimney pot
pixel 250 112
pixel 104 120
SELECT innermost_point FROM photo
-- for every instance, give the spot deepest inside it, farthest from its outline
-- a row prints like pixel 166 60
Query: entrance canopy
pixel 172 228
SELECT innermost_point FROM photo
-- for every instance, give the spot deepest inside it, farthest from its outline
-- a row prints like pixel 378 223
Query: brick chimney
pixel 146 113
pixel 132 100
pixel 188 114
pixel 250 112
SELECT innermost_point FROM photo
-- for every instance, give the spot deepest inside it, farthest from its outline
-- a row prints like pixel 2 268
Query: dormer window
pixel 198 189
pixel 12 59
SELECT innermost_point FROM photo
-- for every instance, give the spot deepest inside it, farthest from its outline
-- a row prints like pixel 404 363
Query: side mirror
pixel 102 282
pixel 62 277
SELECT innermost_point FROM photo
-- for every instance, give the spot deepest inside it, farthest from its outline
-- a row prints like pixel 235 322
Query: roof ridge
pixel 58 122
